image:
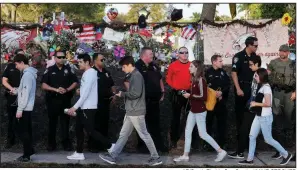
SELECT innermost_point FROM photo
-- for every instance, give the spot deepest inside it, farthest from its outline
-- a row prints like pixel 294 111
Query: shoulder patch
pixel 236 59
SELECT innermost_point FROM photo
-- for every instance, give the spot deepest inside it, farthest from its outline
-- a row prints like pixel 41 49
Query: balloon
pixel 292 56
pixel 51 50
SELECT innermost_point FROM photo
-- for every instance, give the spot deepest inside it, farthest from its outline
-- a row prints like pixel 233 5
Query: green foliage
pixel 157 12
pixel 31 12
pixel 195 16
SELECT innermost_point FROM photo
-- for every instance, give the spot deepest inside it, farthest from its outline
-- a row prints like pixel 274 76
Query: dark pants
pixel 241 105
pixel 101 123
pixel 24 126
pixel 178 102
pixel 220 112
pixel 56 109
pixel 152 119
pixel 243 141
pixel 11 107
pixel 85 120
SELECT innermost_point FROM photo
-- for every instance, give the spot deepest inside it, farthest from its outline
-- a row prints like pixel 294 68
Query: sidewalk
pixel 205 159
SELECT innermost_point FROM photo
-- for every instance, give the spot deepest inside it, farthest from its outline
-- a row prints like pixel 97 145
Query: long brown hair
pixel 200 70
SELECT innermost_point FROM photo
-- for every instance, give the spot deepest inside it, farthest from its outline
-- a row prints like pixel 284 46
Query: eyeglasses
pixel 183 52
pixel 61 57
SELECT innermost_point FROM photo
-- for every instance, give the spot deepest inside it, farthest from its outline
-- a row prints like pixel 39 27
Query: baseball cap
pixel 284 47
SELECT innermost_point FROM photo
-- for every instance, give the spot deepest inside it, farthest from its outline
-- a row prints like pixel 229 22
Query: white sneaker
pixel 221 156
pixel 182 159
pixel 76 156
pixel 112 147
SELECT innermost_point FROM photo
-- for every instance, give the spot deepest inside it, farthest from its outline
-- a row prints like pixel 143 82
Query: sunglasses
pixel 181 52
pixel 61 57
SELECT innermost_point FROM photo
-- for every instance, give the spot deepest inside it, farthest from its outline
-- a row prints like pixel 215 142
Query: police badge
pixel 66 71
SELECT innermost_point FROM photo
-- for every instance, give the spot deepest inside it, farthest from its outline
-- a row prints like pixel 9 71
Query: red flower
pixel 292 39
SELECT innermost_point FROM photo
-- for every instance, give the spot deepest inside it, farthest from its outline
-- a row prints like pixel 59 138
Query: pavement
pixel 205 159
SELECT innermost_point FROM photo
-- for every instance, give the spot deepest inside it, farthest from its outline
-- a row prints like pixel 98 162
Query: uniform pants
pixel 85 120
pixel 243 141
pixel 220 112
pixel 56 109
pixel 101 123
pixel 178 102
pixel 24 126
pixel 241 105
pixel 152 119
pixel 11 107
pixel 282 122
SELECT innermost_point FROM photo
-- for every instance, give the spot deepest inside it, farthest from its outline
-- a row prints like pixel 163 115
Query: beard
pixel 283 57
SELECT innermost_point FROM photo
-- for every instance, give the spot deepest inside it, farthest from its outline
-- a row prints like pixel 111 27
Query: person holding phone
pixel 198 112
pixel 261 106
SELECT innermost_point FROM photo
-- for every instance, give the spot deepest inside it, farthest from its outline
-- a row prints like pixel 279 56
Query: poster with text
pixel 229 40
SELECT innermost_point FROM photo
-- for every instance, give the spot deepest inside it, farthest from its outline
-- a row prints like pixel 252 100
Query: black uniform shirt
pixel 12 74
pixel 56 78
pixel 240 65
pixel 152 77
pixel 105 82
pixel 218 79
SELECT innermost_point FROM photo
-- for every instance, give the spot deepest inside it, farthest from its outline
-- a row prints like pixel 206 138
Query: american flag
pixel 88 34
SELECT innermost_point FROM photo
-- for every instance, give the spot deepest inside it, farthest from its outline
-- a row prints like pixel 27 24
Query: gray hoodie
pixel 26 90
pixel 135 104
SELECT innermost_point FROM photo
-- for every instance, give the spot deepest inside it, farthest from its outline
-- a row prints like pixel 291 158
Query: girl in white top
pixel 264 121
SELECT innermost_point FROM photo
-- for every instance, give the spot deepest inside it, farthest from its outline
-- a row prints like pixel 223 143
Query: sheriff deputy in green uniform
pixel 283 81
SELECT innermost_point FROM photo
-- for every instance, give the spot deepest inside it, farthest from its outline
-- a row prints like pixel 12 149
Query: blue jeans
pixel 263 123
pixel 200 120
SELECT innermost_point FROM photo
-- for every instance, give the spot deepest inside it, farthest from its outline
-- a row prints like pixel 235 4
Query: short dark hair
pixel 64 52
pixel 21 58
pixel 95 56
pixel 127 60
pixel 17 51
pixel 250 41
pixel 215 57
pixel 263 75
pixel 144 49
pixel 255 59
pixel 85 57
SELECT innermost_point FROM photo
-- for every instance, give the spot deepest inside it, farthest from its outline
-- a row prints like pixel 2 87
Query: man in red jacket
pixel 179 79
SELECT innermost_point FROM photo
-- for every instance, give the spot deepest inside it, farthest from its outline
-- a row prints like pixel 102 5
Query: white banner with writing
pixel 229 40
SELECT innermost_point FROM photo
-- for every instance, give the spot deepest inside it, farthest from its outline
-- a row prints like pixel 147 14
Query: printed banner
pixel 14 39
pixel 229 40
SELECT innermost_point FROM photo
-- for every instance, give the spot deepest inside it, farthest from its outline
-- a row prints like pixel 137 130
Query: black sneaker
pixel 236 155
pixel 277 155
pixel 154 161
pixel 245 162
pixel 285 161
pixel 23 159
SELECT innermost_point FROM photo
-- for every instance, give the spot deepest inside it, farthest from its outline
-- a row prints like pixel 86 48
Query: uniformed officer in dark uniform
pixel 59 81
pixel 105 92
pixel 218 80
pixel 154 90
pixel 283 82
pixel 242 77
pixel 11 80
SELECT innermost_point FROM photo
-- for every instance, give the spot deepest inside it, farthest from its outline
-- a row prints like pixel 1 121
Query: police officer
pixel 283 80
pixel 59 81
pixel 218 80
pixel 11 79
pixel 105 92
pixel 242 77
pixel 154 88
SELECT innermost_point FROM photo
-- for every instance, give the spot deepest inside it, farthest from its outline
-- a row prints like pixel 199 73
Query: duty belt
pixel 286 88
